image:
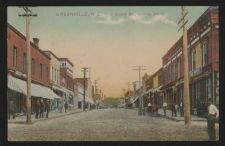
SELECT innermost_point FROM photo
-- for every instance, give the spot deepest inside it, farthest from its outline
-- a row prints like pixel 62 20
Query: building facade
pixel 55 77
pixel 66 81
pixel 79 82
pixel 17 69
pixel 203 56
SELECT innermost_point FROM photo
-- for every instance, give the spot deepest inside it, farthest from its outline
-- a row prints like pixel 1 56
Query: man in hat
pixel 213 114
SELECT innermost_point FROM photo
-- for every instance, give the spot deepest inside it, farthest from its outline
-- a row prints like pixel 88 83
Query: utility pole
pixel 27 14
pixel 141 103
pixel 84 69
pixel 187 113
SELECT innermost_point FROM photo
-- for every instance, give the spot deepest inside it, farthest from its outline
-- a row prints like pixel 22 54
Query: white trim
pixel 194 41
pixel 205 32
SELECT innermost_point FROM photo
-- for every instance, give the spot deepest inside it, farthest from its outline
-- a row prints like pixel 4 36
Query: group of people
pixel 174 109
pixel 62 105
pixel 11 109
pixel 41 107
pixel 212 115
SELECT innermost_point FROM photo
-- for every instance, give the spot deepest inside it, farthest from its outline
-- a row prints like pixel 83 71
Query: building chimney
pixel 36 42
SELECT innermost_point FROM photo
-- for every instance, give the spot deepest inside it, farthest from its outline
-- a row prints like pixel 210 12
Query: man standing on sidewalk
pixel 42 109
pixel 164 107
pixel 12 109
pixel 47 108
pixel 213 114
pixel 37 110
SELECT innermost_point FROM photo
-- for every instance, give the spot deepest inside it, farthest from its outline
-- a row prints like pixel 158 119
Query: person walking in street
pixel 42 109
pixel 12 110
pixel 66 106
pixel 164 107
pixel 47 108
pixel 213 114
pixel 37 108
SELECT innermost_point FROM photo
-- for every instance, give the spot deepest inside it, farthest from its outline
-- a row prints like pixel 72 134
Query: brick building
pixel 66 80
pixel 152 86
pixel 203 55
pixel 55 77
pixel 17 70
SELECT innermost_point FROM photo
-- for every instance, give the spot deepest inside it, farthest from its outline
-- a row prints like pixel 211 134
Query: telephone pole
pixel 141 103
pixel 84 69
pixel 27 14
pixel 187 113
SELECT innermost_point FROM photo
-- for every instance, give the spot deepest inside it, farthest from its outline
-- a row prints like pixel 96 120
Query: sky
pixel 107 39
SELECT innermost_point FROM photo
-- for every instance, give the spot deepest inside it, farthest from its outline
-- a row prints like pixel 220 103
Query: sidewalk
pixel 178 117
pixel 52 115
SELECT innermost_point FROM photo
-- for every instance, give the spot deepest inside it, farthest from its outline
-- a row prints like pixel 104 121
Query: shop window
pixel 208 83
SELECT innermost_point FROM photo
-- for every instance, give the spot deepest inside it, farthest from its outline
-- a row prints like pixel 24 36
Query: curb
pixel 41 120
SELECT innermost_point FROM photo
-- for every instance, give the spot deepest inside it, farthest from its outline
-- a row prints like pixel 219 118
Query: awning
pixel 135 99
pixel 87 99
pixel 36 90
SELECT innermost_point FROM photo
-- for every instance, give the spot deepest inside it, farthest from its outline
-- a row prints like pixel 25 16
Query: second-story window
pixel 193 53
pixel 178 68
pixel 40 71
pixel 14 56
pixel 174 71
pixel 47 73
pixel 205 53
pixel 52 73
pixel 33 66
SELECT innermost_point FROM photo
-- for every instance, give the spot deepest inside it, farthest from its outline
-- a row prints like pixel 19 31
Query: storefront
pixel 17 91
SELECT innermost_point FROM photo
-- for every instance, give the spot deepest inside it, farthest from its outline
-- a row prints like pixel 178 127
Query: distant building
pixel 79 82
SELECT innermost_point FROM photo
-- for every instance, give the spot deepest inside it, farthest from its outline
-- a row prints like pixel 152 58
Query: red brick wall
pixel 15 40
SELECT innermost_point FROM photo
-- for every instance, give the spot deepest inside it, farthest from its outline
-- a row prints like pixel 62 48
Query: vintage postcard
pixel 113 73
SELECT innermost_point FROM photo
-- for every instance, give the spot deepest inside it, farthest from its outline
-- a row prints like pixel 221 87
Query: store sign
pixel 195 72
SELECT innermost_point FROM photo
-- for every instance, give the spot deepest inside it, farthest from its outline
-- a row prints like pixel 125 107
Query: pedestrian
pixel 176 108
pixel 149 108
pixel 164 107
pixel 181 109
pixel 48 104
pixel 42 109
pixel 37 108
pixel 12 109
pixel 66 106
pixel 213 114
pixel 173 109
